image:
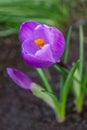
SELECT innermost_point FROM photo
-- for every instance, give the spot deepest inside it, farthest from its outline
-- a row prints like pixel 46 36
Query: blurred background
pixel 58 13
pixel 20 110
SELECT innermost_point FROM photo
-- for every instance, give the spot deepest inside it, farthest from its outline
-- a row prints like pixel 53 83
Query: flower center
pixel 39 42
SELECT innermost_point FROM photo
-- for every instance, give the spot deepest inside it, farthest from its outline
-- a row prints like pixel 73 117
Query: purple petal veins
pixel 26 29
pixel 20 78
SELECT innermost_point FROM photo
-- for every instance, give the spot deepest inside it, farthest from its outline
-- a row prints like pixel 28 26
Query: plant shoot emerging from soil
pixel 42 47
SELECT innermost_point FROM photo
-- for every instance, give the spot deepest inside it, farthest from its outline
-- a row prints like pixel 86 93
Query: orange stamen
pixel 40 42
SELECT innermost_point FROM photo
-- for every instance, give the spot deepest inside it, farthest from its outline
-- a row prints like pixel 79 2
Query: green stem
pixel 60 115
pixel 79 104
pixel 44 80
pixel 60 118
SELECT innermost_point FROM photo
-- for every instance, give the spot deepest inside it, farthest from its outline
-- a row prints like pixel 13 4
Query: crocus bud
pixel 20 78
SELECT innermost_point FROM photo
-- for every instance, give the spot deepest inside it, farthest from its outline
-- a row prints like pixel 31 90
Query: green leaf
pixel 47 97
pixel 68 83
pixel 81 50
pixel 62 70
pixel 65 55
pixel 84 82
pixel 76 85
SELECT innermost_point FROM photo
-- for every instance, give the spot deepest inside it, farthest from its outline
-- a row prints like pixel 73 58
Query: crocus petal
pixel 51 36
pixel 57 44
pixel 34 61
pixel 42 31
pixel 26 30
pixel 30 47
pixel 42 58
pixel 20 78
pixel 45 53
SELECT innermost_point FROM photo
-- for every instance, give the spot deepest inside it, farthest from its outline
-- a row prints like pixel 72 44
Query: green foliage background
pixel 52 12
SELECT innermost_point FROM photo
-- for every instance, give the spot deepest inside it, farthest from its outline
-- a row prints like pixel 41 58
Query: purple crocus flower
pixel 42 45
pixel 20 78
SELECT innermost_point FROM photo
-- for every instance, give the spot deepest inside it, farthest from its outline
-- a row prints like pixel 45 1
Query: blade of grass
pixel 65 72
pixel 13 13
pixel 68 82
pixel 79 100
pixel 66 88
pixel 7 32
pixel 84 81
pixel 76 85
pixel 81 50
pixel 61 70
pixel 65 55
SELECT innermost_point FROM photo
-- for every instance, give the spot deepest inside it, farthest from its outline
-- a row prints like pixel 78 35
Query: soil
pixel 20 110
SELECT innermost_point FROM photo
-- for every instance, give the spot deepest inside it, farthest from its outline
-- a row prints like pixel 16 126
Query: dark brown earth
pixel 20 110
